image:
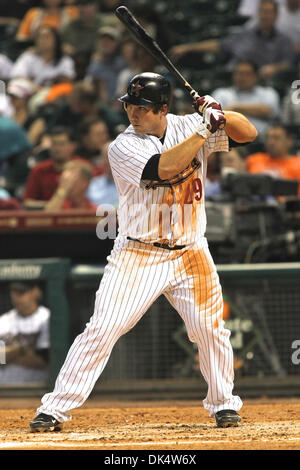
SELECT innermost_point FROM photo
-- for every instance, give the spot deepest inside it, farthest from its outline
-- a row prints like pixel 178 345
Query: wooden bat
pixel 146 41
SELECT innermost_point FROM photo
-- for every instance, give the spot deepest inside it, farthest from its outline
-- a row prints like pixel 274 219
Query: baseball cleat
pixel 227 418
pixel 44 423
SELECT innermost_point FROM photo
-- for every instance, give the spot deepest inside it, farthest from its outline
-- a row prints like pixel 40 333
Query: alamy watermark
pixel 2 353
pixel 296 353
pixel 295 97
pixel 143 219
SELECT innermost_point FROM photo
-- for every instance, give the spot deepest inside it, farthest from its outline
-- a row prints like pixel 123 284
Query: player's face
pixel 145 121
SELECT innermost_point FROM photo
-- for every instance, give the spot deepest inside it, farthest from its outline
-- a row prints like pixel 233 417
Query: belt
pixel 159 245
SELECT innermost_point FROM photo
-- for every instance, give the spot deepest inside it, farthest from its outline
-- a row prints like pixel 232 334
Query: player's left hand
pixel 214 119
pixel 204 102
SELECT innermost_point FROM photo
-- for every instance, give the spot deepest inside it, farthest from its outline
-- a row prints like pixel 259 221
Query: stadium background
pixel 155 360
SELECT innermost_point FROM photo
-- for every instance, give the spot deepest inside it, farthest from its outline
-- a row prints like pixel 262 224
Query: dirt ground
pixel 271 424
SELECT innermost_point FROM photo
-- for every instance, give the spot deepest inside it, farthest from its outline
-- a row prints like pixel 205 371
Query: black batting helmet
pixel 147 89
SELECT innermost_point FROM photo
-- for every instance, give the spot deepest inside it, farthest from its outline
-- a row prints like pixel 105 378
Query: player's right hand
pixel 204 102
pixel 214 119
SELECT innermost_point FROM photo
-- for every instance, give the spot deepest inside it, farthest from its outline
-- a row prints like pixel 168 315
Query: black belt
pixel 159 245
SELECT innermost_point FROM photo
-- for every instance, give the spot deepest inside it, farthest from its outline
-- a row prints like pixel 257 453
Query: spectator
pixel 6 66
pixel 51 14
pixel 288 21
pixel 80 34
pixel 219 165
pixel 106 64
pixel 137 60
pixel 19 91
pixel 71 110
pixel 93 136
pixel 72 188
pixel 7 202
pixel 260 104
pixel 291 104
pixel 248 8
pixel 5 69
pixel 264 45
pixel 276 160
pixel 102 188
pixel 44 64
pixel 151 20
pixel 43 179
pixel 14 150
pixel 80 104
pixel 25 332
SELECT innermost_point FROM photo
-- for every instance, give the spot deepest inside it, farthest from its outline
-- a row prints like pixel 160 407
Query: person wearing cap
pixel 19 91
pixel 79 35
pixel 24 335
pixel 107 63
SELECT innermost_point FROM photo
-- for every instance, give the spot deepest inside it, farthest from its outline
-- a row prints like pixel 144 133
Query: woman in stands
pixel 45 63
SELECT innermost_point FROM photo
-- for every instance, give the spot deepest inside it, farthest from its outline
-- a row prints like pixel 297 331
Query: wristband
pixel 203 131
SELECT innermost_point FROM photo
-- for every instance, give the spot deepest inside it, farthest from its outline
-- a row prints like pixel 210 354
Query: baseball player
pixel 159 166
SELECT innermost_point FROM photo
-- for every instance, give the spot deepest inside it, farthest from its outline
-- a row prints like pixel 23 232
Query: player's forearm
pixel 239 128
pixel 177 158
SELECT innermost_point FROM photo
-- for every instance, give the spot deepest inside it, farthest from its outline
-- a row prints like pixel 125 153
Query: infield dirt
pixel 272 424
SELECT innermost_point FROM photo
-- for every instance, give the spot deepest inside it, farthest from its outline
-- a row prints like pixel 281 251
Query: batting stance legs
pixel 135 276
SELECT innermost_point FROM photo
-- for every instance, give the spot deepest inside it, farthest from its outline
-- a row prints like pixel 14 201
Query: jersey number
pixel 193 190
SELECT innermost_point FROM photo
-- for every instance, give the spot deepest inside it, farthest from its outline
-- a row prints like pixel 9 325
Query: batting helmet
pixel 147 89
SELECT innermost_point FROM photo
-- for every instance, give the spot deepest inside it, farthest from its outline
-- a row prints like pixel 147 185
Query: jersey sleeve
pixel 129 155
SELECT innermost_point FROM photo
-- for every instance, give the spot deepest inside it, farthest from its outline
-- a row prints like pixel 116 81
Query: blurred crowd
pixel 63 64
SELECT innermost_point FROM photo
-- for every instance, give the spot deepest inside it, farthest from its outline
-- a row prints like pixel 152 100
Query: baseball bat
pixel 146 41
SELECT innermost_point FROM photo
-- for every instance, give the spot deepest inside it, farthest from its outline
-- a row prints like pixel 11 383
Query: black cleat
pixel 43 423
pixel 227 418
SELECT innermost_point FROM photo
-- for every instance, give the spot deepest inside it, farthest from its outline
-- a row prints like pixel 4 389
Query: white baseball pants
pixel 135 276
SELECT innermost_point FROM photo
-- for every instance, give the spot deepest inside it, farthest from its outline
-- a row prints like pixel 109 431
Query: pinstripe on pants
pixel 135 276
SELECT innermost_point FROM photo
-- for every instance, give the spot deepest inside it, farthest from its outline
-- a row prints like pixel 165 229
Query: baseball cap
pixel 21 88
pixel 109 31
pixel 23 286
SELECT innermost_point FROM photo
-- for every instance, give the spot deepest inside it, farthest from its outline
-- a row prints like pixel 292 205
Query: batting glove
pixel 213 120
pixel 205 102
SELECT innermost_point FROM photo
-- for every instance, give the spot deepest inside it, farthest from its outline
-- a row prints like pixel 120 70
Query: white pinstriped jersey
pixel 174 212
